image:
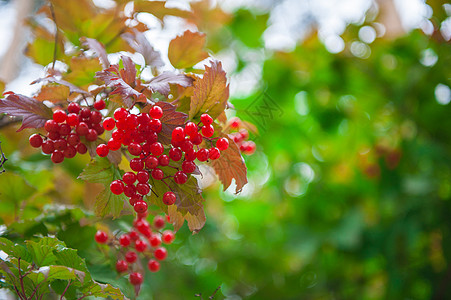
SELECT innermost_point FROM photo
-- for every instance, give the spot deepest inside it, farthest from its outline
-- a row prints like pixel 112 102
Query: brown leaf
pixel 210 92
pixel 138 41
pixel 34 113
pixel 195 221
pixel 2 87
pixel 72 88
pixel 159 10
pixel 53 93
pixel 187 50
pixel 98 48
pixel 161 82
pixel 230 165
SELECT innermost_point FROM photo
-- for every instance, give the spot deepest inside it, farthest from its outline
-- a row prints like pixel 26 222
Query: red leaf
pixel 210 92
pixel 161 82
pixel 138 41
pixel 98 48
pixel 230 165
pixel 34 113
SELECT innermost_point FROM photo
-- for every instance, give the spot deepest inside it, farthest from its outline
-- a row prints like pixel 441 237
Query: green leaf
pixel 42 251
pixel 187 50
pixel 15 250
pixel 102 290
pixel 210 92
pixel 69 258
pixel 82 70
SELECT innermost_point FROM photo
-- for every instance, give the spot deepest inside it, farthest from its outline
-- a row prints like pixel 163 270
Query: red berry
pixel 180 177
pixel 117 187
pixel 82 129
pixel 156 112
pixel 153 265
pixel 121 266
pixel 96 117
pixel 143 119
pixel 129 190
pixel 57 157
pixel 168 237
pixel 59 116
pixel 163 160
pixel 186 146
pixel 35 140
pixel 85 113
pixel 133 235
pixel 191 128
pixel 70 152
pixel 157 174
pixel 151 162
pixel 51 125
pixel 134 199
pixel 214 153
pixel 64 129
pixel 47 147
pixel 136 278
pixel 109 123
pixel 129 177
pixel 60 144
pixel 136 164
pixel 222 144
pixel 102 150
pixel 140 206
pixel 190 155
pixel 53 135
pixel 142 176
pixel 124 240
pixel 134 149
pixel 208 130
pixel 152 137
pixel 98 128
pixel 169 198
pixel 175 154
pixel 73 139
pixel 244 134
pixel 158 222
pixel 156 149
pixel 155 240
pixel 160 253
pixel 250 148
pixel 131 122
pixel 113 144
pixel 73 108
pixel 140 246
pixel 155 125
pixel 178 134
pixel 120 113
pixel 99 104
pixel 101 237
pixel 72 119
pixel 202 154
pixel 91 135
pixel 81 148
pixel 131 257
pixel 143 188
pixel 196 139
pixel 206 119
pixel 188 167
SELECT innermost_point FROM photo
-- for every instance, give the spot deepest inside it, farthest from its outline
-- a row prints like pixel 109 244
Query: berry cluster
pixel 67 131
pixel 143 240
pixel 139 133
pixel 240 136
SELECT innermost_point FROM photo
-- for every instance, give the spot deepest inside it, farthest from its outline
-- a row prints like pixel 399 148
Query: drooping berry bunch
pixel 68 131
pixel 142 243
pixel 240 136
pixel 139 133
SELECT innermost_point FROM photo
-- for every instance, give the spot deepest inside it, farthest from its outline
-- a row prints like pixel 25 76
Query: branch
pixel 212 295
pixel 56 35
pixel 3 159
pixel 65 290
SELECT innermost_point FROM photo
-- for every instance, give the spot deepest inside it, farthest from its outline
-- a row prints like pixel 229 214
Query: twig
pixel 214 293
pixel 3 160
pixel 20 276
pixel 56 36
pixel 34 292
pixel 65 290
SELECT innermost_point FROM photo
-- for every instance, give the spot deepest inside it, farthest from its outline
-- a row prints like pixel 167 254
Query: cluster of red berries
pixel 240 136
pixel 140 134
pixel 143 240
pixel 66 132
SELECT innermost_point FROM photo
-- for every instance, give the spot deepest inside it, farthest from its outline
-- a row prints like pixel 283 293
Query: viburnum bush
pixel 146 134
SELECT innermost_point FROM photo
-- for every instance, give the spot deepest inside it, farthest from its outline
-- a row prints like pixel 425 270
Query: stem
pixel 20 276
pixel 214 293
pixel 167 184
pixel 65 290
pixel 34 292
pixel 56 36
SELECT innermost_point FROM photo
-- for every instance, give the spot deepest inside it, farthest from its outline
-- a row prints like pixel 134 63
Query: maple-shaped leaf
pixel 82 70
pixel 98 48
pixel 210 92
pixel 34 113
pixel 123 81
pixel 230 165
pixel 195 221
pixel 159 10
pixel 101 170
pixel 72 88
pixel 169 121
pixel 161 83
pixel 138 41
pixel 53 93
pixel 187 50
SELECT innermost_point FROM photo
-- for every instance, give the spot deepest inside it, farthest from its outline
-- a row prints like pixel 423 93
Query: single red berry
pixel 160 253
pixel 222 144
pixel 158 222
pixel 202 154
pixel 191 128
pixel 129 190
pixel 121 266
pixel 190 155
pixel 157 174
pixel 156 112
pixel 133 235
pixel 131 257
pixel 73 108
pixel 113 144
pixel 101 237
pixel 129 177
pixel 141 224
pixel 81 148
pixel 118 135
pixel 99 104
pixel 151 162
pixel 155 125
pixel 59 116
pixel 85 113
pixel 196 139
pixel 142 176
pixel 208 130
pixel 143 119
pixel 96 117
pixel 73 139
pixel 72 119
pixel 98 128
pixel 178 134
pixel 134 149
pixel 102 150
pixel 143 188
pixel 91 135
pixel 244 134
pixel 180 177
pixel 124 240
pixel 51 126
pixel 60 144
pixel 156 148
pixel 168 237
pixel 175 154
pixel 70 152
pixel 53 135
pixel 169 198
pixel 155 240
pixel 134 199
pixel 206 119
pixel 163 160
pixel 120 113
pixel 109 123
pixel 250 148
pixel 136 164
pixel 117 187
pixel 64 129
pixel 188 167
pixel 186 146
pixel 140 245
pixel 153 265
pixel 131 122
pixel 136 278
pixel 57 157
pixel 214 153
pixel 47 147
pixel 82 129
pixel 35 140
pixel 140 206
pixel 152 137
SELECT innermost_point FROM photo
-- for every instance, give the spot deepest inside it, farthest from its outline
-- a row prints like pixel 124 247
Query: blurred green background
pixel 349 193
